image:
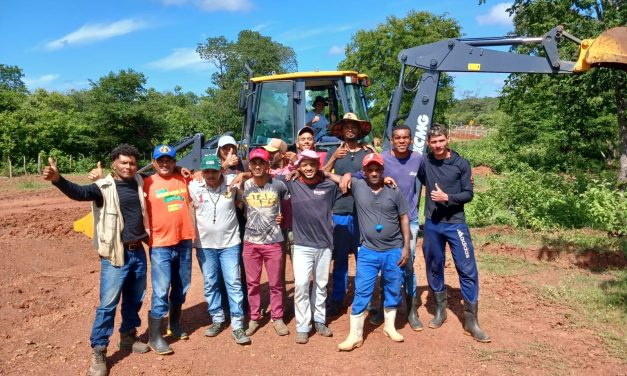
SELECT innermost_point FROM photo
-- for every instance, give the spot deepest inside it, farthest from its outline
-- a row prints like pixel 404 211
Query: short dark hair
pixel 124 149
pixel 402 126
pixel 438 130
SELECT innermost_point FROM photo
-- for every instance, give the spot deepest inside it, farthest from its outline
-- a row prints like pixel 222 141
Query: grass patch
pixel 32 185
pixel 585 240
pixel 503 266
pixel 600 302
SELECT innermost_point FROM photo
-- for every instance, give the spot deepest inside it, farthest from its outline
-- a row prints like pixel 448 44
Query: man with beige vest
pixel 119 214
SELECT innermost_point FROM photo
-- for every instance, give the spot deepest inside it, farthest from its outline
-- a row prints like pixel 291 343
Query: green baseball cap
pixel 210 162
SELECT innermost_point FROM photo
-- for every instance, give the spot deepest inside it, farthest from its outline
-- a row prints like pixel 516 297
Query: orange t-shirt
pixel 167 204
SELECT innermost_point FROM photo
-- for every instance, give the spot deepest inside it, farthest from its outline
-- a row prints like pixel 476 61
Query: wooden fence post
pixel 39 164
pixel 10 168
pixel 24 159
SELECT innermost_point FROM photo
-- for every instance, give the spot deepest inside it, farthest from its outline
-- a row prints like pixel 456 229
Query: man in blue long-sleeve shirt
pixel 119 212
pixel 447 178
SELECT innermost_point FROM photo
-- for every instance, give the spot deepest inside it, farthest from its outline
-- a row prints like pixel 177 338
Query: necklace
pixel 215 203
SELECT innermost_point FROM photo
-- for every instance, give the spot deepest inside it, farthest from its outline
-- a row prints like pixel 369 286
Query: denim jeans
pixel 225 262
pixel 127 281
pixel 369 264
pixel 306 261
pixel 170 267
pixel 409 275
pixel 345 238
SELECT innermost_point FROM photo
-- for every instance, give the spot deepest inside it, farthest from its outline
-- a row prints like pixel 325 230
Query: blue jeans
pixel 170 266
pixel 222 261
pixel 458 237
pixel 127 281
pixel 409 275
pixel 345 238
pixel 369 264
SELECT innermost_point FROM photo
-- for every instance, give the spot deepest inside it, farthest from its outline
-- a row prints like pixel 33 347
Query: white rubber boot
pixel 389 329
pixel 356 336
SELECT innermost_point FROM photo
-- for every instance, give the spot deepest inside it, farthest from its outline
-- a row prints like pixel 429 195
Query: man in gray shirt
pixel 385 236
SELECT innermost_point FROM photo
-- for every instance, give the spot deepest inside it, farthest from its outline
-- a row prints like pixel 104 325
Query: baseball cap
pixel 306 129
pixel 372 158
pixel 259 153
pixel 210 162
pixel 226 140
pixel 276 144
pixel 307 154
pixel 164 150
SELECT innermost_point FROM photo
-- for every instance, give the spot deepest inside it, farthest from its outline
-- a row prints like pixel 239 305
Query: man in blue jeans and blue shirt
pixel 384 225
pixel 447 178
pixel 120 246
pixel 218 247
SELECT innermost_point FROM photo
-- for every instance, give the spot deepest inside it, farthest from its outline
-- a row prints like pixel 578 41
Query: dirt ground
pixel 49 288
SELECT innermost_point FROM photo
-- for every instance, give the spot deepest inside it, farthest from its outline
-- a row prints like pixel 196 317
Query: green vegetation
pixel 503 266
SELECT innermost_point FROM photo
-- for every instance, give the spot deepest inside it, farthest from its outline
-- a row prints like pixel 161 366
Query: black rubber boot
pixel 175 323
pixel 412 314
pixel 471 323
pixel 155 336
pixel 440 309
pixel 378 318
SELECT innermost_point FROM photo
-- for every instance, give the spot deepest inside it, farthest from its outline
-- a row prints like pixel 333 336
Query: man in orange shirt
pixel 171 235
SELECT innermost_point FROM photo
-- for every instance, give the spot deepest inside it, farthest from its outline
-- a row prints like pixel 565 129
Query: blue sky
pixel 62 44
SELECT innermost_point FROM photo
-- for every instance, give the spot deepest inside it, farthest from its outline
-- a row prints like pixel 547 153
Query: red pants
pixel 271 255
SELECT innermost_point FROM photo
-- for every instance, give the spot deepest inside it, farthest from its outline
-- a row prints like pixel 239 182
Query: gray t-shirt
pixel 383 208
pixel 312 206
pixel 350 163
pixel 262 208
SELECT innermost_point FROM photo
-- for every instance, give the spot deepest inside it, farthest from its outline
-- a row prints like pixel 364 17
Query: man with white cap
pixel 313 197
pixel 227 151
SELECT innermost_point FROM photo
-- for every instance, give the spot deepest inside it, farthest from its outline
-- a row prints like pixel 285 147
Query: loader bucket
pixel 85 225
pixel 608 50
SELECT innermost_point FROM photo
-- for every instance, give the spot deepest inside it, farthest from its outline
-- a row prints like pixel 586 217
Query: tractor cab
pixel 277 106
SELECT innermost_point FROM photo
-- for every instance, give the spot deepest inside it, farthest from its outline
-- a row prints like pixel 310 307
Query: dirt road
pixel 49 289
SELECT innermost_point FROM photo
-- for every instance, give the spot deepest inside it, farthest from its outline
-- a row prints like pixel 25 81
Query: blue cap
pixel 164 150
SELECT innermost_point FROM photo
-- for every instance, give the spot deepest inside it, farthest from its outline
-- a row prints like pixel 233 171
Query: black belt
pixel 134 245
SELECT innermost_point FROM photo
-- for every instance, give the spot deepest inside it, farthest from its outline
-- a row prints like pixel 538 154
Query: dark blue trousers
pixel 436 236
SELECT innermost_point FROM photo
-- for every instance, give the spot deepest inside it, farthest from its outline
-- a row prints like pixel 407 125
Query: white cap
pixel 226 140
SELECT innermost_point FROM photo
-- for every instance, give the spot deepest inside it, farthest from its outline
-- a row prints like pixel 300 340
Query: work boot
pixel 302 338
pixel 98 361
pixel 280 327
pixel 174 321
pixel 377 318
pixel 412 314
pixel 440 310
pixel 253 325
pixel 471 323
pixel 389 328
pixel 334 308
pixel 356 335
pixel 323 330
pixel 130 342
pixel 214 329
pixel 155 336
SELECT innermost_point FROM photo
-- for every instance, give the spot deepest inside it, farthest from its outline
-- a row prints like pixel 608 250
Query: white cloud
pixel 335 50
pixel 41 81
pixel 96 32
pixel 497 15
pixel 214 5
pixel 260 27
pixel 303 33
pixel 180 58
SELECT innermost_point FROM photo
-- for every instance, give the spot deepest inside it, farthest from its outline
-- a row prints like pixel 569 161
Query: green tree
pixel 566 121
pixel 374 52
pixel 262 55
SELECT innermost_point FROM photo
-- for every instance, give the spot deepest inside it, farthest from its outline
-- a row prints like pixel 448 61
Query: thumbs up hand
pixel 439 195
pixel 51 171
pixel 96 173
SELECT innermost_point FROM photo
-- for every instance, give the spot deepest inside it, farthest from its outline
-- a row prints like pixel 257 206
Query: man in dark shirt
pixel 122 255
pixel 447 178
pixel 384 225
pixel 346 158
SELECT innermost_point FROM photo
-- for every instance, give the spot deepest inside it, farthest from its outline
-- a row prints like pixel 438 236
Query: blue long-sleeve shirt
pixel 453 177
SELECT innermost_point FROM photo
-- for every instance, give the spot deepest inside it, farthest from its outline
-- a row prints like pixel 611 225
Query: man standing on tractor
pixel 119 217
pixel 171 235
pixel 447 178
pixel 347 158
